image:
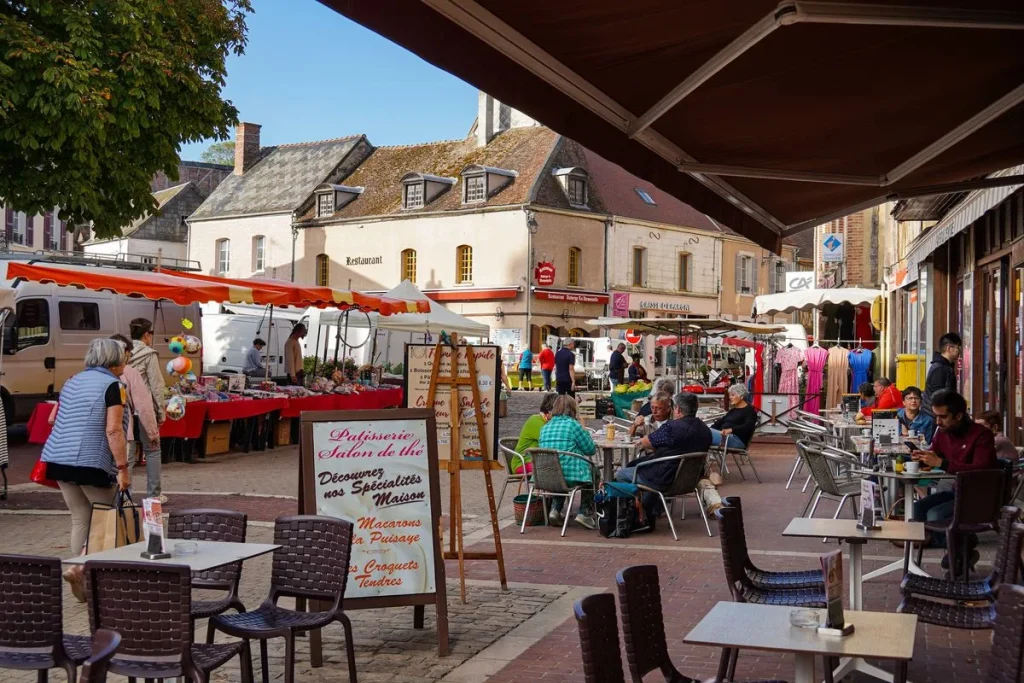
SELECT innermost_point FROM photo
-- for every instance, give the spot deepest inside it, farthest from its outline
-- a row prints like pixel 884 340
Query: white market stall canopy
pixel 439 318
pixel 811 299
pixel 677 326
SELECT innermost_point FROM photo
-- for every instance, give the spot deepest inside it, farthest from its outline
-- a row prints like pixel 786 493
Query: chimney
pixel 484 119
pixel 247 146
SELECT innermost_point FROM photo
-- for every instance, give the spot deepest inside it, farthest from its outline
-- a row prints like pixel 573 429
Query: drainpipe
pixel 609 223
pixel 295 238
pixel 531 230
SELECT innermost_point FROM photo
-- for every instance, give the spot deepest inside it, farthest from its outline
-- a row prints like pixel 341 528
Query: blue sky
pixel 309 73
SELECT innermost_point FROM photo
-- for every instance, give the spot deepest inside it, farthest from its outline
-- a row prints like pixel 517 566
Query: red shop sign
pixel 544 273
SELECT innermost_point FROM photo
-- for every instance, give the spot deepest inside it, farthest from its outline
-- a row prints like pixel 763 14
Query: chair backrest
pixel 1007 516
pixel 643 624
pixel 733 552
pixel 819 467
pixel 210 525
pixel 741 532
pixel 510 458
pixel 978 497
pixel 30 601
pixel 1006 662
pixel 148 604
pixel 1011 566
pixel 104 644
pixel 313 559
pixel 599 639
pixel 547 470
pixel 688 473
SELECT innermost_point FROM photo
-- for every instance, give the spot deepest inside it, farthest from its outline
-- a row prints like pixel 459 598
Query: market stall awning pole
pixel 270 331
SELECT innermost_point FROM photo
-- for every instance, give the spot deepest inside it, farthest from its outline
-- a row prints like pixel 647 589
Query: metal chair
pixel 150 606
pixel 548 480
pixel 212 525
pixel 739 456
pixel 104 644
pixel 312 563
pixel 688 474
pixel 801 431
pixel 511 459
pixel 770 580
pixel 825 483
pixel 31 618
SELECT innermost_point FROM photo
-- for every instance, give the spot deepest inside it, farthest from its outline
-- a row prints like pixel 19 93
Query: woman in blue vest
pixel 87 452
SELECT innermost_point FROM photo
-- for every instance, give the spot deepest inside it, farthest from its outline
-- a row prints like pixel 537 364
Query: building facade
pixel 41 232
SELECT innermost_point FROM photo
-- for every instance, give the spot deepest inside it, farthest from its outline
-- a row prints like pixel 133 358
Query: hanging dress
pixel 788 358
pixel 816 358
pixel 860 362
pixel 758 377
pixel 838 365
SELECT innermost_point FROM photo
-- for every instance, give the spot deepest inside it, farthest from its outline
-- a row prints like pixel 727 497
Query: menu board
pixel 832 570
pixel 378 470
pixel 419 362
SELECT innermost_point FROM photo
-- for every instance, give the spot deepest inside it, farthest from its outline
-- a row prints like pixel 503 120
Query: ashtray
pixel 191 548
pixel 805 618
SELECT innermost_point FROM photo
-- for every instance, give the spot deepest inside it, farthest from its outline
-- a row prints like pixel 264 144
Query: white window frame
pixel 324 204
pixel 421 202
pixel 223 255
pixel 259 253
pixel 20 232
pixel 482 178
pixel 747 286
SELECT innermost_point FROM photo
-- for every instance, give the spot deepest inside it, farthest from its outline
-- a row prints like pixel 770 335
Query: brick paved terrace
pixel 527 634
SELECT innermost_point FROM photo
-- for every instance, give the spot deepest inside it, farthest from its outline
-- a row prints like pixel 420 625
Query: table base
pixel 851 664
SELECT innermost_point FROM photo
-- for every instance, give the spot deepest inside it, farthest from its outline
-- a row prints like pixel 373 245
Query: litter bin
pixel 911 370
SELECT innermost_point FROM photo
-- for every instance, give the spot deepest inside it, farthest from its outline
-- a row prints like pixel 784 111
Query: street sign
pixel 833 247
pixel 632 337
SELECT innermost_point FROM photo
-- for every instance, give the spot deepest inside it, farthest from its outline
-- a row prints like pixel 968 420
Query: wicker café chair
pixel 1006 663
pixel 741 586
pixel 212 525
pixel 31 619
pixel 548 480
pixel 963 616
pixel 511 460
pixel 688 475
pixel 312 563
pixel 104 645
pixel 767 580
pixel 599 639
pixel 983 589
pixel 150 606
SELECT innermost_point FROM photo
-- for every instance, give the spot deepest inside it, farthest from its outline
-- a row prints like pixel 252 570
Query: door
pixel 28 352
pixel 1016 432
pixel 994 335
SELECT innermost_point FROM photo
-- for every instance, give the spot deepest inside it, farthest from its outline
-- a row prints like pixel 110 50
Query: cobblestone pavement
pixel 547 572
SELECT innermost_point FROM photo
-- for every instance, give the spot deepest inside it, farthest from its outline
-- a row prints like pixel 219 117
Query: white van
pixel 229 336
pixel 46 338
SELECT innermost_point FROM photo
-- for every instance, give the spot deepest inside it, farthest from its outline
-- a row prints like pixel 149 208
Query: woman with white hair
pixel 739 423
pixel 87 453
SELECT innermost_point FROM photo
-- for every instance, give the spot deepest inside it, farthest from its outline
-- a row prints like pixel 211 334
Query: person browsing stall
pixel 563 432
pixel 617 366
pixel 738 424
pixel 254 359
pixel 293 355
pixel 526 370
pixel 146 360
pixel 912 418
pixel 661 412
pixel 546 360
pixel 565 368
pixel 636 372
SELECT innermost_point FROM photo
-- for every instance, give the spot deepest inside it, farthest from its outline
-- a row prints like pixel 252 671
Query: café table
pixel 909 482
pixel 741 625
pixel 847 530
pixel 208 555
pixel 608 448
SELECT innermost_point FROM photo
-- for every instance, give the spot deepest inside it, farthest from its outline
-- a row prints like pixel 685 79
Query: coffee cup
pixel 912 467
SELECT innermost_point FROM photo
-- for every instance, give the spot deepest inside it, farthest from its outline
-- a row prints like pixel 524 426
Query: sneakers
pixel 589 521
pixel 555 518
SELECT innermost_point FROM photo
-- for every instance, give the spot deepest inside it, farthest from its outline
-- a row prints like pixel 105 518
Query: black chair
pixel 312 564
pixel 599 639
pixel 31 619
pixel 1006 663
pixel 151 607
pixel 104 644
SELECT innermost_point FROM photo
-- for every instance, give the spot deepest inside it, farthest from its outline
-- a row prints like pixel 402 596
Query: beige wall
pixel 737 305
pixel 276 228
pixel 66 242
pixel 664 244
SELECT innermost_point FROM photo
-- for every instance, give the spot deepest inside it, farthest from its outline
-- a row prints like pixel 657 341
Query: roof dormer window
pixel 480 183
pixel 419 189
pixel 332 198
pixel 575 184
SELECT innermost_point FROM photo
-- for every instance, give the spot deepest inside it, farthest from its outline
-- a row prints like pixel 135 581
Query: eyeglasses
pixel 912 398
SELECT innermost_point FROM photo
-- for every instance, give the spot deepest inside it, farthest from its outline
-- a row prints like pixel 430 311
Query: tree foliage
pixel 220 153
pixel 97 95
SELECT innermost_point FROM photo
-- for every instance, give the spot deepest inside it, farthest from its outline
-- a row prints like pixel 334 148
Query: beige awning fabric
pixel 679 326
pixel 811 299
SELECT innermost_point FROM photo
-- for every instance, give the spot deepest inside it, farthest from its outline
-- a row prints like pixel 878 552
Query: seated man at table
pixel 254 359
pixel 662 385
pixel 887 396
pixel 960 445
pixel 912 418
pixel 684 433
pixel 867 401
pixel 661 411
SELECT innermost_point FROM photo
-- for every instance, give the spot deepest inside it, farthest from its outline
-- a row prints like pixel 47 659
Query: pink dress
pixel 789 357
pixel 816 358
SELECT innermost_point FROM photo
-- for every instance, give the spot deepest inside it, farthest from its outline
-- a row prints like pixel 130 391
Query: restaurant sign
pixel 571 296
pixel 544 273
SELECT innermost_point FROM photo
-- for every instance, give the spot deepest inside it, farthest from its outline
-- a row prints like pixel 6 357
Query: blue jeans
pixel 650 501
pixel 734 441
pixel 546 376
pixel 613 382
pixel 935 508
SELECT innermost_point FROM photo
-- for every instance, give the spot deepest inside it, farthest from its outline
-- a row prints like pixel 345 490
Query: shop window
pixel 323 270
pixel 463 264
pixel 409 265
pixel 575 262
pixel 78 315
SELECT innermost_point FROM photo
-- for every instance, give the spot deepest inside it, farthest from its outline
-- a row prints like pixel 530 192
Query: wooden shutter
pixel 9 224
pixel 772 279
pixel 739 273
pixel 535 340
pixel 47 230
pixel 30 230
pixel 755 273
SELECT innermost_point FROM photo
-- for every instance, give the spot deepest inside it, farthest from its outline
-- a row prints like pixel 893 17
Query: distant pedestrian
pixel 526 370
pixel 145 359
pixel 636 371
pixel 293 356
pixel 254 359
pixel 565 369
pixel 942 371
pixel 546 359
pixel 617 366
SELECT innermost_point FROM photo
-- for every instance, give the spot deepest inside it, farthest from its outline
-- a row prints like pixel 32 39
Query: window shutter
pixel 772 278
pixel 755 274
pixel 739 273
pixel 29 230
pixel 47 230
pixel 9 225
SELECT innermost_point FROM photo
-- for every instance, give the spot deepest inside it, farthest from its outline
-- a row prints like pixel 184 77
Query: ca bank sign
pixel 832 247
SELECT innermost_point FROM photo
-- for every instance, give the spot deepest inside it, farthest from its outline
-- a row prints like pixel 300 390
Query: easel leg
pixel 458 538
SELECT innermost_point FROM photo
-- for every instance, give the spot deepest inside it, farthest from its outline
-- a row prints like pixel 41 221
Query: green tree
pixel 98 95
pixel 222 152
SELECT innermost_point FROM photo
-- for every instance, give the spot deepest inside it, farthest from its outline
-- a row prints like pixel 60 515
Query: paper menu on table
pixel 832 568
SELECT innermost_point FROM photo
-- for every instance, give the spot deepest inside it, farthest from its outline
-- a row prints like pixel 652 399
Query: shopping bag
pixel 114 525
pixel 39 475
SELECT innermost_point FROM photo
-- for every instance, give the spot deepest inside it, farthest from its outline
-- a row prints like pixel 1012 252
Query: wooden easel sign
pixel 378 469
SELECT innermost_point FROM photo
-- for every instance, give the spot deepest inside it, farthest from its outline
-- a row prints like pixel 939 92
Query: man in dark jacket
pixel 617 366
pixel 942 372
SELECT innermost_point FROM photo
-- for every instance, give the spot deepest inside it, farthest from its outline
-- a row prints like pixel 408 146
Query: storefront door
pixel 994 336
pixel 1017 426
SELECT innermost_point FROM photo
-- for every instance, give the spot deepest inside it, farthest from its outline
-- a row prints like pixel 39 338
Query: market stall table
pixel 208 555
pixel 740 625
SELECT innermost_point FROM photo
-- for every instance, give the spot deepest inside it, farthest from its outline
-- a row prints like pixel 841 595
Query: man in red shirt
pixel 887 396
pixel 960 445
pixel 546 359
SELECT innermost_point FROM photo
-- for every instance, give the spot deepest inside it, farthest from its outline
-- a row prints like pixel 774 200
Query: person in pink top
pixel 142 414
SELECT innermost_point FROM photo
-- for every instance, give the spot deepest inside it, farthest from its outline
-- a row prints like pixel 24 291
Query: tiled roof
pixel 280 180
pixel 525 150
pixel 804 242
pixel 617 189
pixel 163 197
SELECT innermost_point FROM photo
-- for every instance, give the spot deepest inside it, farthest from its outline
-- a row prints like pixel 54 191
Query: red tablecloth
pixel 188 427
pixel 366 400
pixel 239 410
pixel 298 405
pixel 38 424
